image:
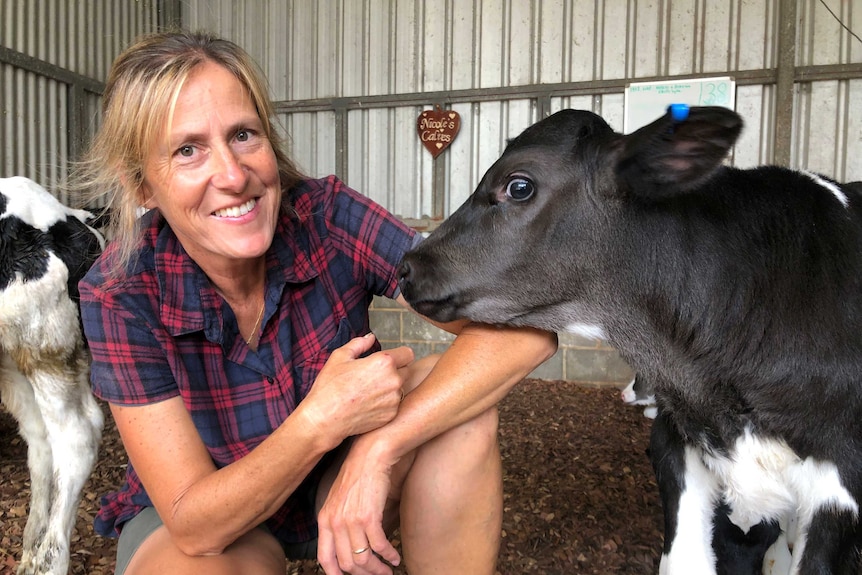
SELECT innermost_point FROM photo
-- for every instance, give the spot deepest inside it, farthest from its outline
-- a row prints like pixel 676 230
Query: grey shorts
pixel 137 529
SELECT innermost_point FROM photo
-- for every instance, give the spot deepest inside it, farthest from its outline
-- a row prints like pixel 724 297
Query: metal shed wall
pixel 54 56
pixel 351 77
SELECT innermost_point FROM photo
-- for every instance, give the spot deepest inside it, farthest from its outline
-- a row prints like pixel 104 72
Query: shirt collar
pixel 188 300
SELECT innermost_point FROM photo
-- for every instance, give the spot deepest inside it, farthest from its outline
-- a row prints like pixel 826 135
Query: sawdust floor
pixel 580 496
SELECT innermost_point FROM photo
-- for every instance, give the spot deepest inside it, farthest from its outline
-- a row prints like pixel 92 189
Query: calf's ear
pixel 669 156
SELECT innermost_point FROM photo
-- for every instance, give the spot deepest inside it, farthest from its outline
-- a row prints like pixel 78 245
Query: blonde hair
pixel 140 93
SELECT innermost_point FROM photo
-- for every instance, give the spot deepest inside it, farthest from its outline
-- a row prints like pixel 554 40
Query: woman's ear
pixel 146 201
pixel 143 196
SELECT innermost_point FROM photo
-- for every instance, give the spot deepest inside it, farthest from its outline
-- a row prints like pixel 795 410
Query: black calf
pixel 738 292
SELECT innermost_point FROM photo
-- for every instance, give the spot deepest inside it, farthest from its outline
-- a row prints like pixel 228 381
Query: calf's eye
pixel 520 189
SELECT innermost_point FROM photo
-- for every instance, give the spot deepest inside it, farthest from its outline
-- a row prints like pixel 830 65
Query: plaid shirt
pixel 163 331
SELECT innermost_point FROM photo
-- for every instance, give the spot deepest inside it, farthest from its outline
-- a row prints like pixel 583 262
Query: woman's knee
pixel 255 553
pixel 481 433
pixel 468 445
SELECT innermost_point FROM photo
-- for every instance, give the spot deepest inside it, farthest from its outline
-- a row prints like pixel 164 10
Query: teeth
pixel 236 211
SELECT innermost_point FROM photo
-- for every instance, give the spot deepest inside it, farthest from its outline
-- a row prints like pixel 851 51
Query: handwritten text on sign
pixel 646 101
pixel 437 128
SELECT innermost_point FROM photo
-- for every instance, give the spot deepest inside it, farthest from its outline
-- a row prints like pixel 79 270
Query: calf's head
pixel 537 242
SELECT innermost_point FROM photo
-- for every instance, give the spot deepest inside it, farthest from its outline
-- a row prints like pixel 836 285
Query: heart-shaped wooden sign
pixel 437 128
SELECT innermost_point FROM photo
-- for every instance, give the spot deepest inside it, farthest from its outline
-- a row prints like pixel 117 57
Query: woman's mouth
pixel 236 211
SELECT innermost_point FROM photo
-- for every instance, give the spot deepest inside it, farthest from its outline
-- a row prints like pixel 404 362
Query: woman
pixel 229 334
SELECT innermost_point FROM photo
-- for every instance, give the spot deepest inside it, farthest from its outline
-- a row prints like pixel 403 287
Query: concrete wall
pixel 577 359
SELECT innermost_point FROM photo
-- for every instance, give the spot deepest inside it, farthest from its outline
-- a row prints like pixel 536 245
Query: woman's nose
pixel 229 173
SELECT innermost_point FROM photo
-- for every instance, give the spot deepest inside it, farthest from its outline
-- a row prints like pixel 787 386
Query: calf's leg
pixel 17 396
pixel 688 494
pixel 833 544
pixel 73 426
pixel 739 552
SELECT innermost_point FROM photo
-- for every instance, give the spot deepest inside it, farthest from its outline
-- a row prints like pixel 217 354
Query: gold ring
pixel 360 551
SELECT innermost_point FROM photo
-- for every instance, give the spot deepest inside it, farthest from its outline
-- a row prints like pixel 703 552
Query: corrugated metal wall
pixel 54 56
pixel 828 119
pixel 352 76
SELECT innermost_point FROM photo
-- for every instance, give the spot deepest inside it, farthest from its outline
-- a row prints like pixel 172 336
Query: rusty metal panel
pixel 755 105
pixel 376 136
pixel 334 48
pixel 32 124
pixel 310 141
pixel 825 34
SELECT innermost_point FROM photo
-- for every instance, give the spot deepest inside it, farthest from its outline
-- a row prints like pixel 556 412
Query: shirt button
pixel 270 380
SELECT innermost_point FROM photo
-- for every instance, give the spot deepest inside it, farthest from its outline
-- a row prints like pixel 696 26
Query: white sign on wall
pixel 646 101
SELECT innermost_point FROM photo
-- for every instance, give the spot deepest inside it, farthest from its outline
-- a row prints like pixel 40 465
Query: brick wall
pixel 578 359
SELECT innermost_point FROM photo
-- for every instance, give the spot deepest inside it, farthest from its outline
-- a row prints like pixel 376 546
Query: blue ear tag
pixel 678 112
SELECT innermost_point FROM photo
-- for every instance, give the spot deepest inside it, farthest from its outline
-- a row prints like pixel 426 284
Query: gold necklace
pixel 256 324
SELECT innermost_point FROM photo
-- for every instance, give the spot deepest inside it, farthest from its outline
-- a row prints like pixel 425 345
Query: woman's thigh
pixel 146 547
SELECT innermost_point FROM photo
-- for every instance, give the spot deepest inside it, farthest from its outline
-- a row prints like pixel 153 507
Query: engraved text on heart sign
pixel 437 128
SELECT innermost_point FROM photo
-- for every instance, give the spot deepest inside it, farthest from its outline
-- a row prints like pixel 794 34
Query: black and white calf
pixel 45 248
pixel 639 392
pixel 738 293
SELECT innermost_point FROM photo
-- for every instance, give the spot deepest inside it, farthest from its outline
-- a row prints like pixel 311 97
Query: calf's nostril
pixel 405 273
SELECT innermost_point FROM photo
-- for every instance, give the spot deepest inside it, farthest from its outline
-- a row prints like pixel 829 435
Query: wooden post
pixel 785 83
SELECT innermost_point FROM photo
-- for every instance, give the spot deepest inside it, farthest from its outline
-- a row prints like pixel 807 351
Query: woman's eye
pixel 242 136
pixel 186 151
pixel 520 189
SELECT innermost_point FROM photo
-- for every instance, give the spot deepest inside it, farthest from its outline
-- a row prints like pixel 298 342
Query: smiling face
pixel 213 174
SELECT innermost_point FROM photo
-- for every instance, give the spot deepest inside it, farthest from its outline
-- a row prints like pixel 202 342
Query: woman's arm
pixel 204 508
pixel 473 375
pixel 478 369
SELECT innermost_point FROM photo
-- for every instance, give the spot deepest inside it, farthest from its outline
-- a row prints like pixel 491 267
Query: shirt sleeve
pixel 129 364
pixel 373 238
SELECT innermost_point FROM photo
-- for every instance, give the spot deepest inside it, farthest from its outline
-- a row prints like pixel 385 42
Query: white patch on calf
pixel 34 205
pixel 820 482
pixel 778 560
pixel 835 190
pixel 754 479
pixel 819 486
pixel 56 412
pixel 630 397
pixel 589 331
pixel 39 313
pixel 765 479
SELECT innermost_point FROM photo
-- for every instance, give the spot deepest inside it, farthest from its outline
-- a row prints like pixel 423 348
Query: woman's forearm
pixel 205 509
pixel 474 374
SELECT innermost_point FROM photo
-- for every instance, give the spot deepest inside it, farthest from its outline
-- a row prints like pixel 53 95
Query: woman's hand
pixel 479 368
pixel 352 518
pixel 352 394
